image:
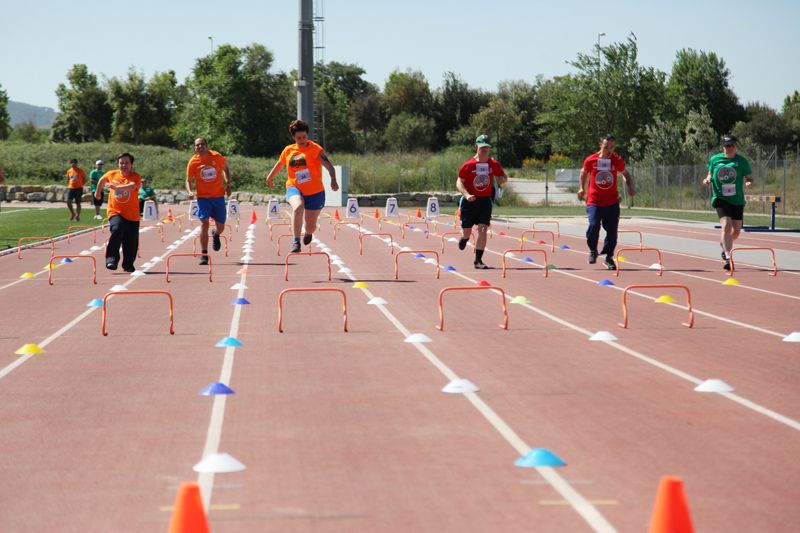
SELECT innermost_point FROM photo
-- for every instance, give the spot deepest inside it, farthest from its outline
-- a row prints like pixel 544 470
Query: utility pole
pixel 211 39
pixel 305 71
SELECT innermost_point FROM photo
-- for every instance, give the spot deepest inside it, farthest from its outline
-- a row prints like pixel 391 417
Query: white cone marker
pixel 792 337
pixel 460 386
pixel 377 300
pixel 418 337
pixel 218 463
pixel 713 385
pixel 603 336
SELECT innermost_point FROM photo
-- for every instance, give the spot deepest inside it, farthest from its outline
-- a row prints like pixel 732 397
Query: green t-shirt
pixel 94 177
pixel 146 192
pixel 727 177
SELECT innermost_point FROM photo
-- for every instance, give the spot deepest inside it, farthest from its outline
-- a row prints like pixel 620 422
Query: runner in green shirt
pixel 729 174
pixel 94 177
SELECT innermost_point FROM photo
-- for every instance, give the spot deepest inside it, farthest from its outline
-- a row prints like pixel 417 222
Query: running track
pixel 351 431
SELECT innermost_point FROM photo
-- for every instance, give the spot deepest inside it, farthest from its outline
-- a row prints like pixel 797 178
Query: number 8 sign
pixel 433 207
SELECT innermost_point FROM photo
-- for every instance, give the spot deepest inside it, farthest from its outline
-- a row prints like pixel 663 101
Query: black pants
pixel 608 218
pixel 125 233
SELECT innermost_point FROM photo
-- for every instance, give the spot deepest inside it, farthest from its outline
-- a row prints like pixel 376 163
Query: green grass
pixel 37 222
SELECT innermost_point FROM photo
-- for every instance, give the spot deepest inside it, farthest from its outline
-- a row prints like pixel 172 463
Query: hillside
pixel 41 117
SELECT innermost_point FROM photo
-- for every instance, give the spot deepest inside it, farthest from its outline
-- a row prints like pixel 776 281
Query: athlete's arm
pixel 227 172
pixel 748 182
pixel 98 193
pixel 463 190
pixel 708 179
pixel 189 190
pixel 332 171
pixel 629 182
pixel 274 172
pixel 582 189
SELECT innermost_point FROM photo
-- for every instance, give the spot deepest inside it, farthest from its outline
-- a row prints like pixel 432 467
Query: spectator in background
pixel 76 178
pixel 94 178
pixel 123 212
pixel 146 193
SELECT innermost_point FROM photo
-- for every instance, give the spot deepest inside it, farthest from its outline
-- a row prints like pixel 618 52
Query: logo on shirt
pixel 208 173
pixel 726 174
pixel 482 180
pixel 298 161
pixel 604 179
pixel 122 196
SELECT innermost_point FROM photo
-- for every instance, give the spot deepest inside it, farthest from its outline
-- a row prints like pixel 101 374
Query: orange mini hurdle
pixel 415 223
pixel 445 234
pixel 641 238
pixel 93 228
pixel 210 263
pixel 273 226
pixel 749 249
pixel 533 233
pixel 126 293
pixel 278 239
pixel 361 241
pixel 543 252
pixel 339 224
pixel 54 257
pixel 656 250
pixel 313 289
pixel 551 222
pixel 401 252
pixel 290 254
pixel 624 323
pixel 37 239
pixel 504 325
pixel 223 237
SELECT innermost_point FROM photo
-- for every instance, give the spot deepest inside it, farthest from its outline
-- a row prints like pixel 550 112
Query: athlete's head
pixel 125 162
pixel 299 131
pixel 607 145
pixel 201 146
pixel 729 145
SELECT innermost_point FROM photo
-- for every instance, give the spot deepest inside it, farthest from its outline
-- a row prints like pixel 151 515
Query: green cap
pixel 483 140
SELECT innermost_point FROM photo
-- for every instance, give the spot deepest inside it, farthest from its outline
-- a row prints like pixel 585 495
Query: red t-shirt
pixel 477 176
pixel 603 179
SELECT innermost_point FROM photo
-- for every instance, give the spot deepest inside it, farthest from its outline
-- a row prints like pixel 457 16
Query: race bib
pixel 302 176
pixel 481 180
pixel 603 164
pixel 208 174
pixel 728 189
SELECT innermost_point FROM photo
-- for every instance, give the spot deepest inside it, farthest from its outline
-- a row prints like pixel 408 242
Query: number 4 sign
pixel 352 208
pixel 433 207
pixel 272 208
pixel 391 207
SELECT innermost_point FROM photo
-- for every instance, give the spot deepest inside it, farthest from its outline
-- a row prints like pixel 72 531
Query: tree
pixel 702 79
pixel 699 135
pixel 791 112
pixel 454 104
pixel 663 143
pixel 28 132
pixel 408 92
pixel 524 100
pixel 764 126
pixel 85 114
pixel 368 117
pixel 501 122
pixel 237 103
pixel 5 120
pixel 338 86
pixel 144 112
pixel 406 132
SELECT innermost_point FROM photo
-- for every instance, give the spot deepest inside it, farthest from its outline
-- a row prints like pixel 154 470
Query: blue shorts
pixel 212 208
pixel 312 201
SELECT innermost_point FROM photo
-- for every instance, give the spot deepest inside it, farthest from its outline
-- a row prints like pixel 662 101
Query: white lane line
pixel 578 502
pixel 790 422
pixel 18 362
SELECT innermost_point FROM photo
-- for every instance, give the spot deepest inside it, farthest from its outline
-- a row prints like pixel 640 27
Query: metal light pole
pixel 305 72
pixel 598 47
pixel 211 39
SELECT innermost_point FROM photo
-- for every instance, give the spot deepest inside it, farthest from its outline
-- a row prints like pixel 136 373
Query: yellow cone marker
pixel 666 299
pixel 29 349
pixel 621 259
pixel 28 275
pixel 524 238
pixel 731 281
pixel 520 300
pixel 360 285
pixel 49 266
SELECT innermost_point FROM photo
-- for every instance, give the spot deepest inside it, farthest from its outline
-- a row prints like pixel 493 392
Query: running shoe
pixel 129 269
pixel 481 266
pixel 726 265
pixel 724 257
pixel 609 263
pixel 111 264
pixel 307 238
pixel 592 258
pixel 203 260
pixel 462 243
pixel 295 247
pixel 216 244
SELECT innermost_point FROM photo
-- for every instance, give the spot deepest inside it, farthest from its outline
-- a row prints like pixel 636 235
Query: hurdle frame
pixel 556 222
pixel 624 323
pixel 361 241
pixel 750 249
pixel 37 239
pixel 339 224
pixel 641 237
pixel 410 223
pixel 310 289
pixel 402 252
pixel 504 325
pixel 290 254
pixel 54 257
pixel 643 249
pixel 533 233
pixel 93 228
pixel 446 233
pixel 278 241
pixel 120 293
pixel 535 250
pixel 273 226
pixel 210 263
pixel 221 236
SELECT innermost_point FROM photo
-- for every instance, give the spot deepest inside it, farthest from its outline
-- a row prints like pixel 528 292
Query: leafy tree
pixel 237 103
pixel 501 121
pixel 702 79
pixel 144 112
pixel 524 100
pixel 347 78
pixel 454 104
pixel 408 92
pixel 764 126
pixel 368 118
pixel 85 113
pixel 334 124
pixel 791 112
pixel 699 135
pixel 406 132
pixel 663 143
pixel 28 132
pixel 5 120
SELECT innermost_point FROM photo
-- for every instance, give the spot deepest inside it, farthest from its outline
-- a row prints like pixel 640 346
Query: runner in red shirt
pixel 602 202
pixel 475 184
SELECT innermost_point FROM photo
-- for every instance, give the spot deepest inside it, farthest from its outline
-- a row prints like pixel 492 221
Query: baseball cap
pixel 73 160
pixel 99 162
pixel 728 140
pixel 483 140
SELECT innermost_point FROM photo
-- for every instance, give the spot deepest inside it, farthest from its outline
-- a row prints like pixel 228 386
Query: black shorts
pixel 725 209
pixel 96 202
pixel 477 212
pixel 75 194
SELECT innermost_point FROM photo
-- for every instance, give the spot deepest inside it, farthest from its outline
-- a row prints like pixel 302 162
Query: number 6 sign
pixel 352 208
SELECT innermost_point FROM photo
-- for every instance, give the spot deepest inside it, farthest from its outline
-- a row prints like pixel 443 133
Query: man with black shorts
pixel 476 182
pixel 76 178
pixel 729 174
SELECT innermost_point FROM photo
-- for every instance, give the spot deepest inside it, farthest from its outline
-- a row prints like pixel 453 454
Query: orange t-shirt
pixel 304 167
pixel 76 177
pixel 207 174
pixel 123 203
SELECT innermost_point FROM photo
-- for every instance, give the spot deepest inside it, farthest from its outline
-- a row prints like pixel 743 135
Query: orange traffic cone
pixel 336 215
pixel 458 213
pixel 671 512
pixel 253 217
pixel 419 213
pixel 188 515
pixel 377 213
pixel 169 214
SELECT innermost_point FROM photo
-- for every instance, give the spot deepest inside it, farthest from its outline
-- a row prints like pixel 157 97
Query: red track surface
pixel 351 432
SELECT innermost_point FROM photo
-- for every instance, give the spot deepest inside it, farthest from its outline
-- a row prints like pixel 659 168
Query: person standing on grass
pixel 122 212
pixel 212 177
pixel 94 179
pixel 475 182
pixel 76 178
pixel 602 200
pixel 304 189
pixel 729 174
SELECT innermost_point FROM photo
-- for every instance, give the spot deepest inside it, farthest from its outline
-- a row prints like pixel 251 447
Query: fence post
pixel 784 185
pixel 547 189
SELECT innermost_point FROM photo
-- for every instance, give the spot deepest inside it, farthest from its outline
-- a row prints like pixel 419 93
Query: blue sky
pixel 484 42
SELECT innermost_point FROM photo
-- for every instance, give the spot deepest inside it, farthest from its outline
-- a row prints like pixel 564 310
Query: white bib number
pixel 728 189
pixel 433 207
pixel 194 210
pixel 603 164
pixel 233 208
pixel 391 207
pixel 149 214
pixel 352 208
pixel 302 176
pixel 272 208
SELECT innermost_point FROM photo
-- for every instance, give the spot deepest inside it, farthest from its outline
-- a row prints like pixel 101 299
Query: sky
pixel 484 42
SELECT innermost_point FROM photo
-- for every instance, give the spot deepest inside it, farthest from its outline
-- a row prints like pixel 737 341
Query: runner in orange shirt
pixel 122 212
pixel 76 177
pixel 304 189
pixel 212 177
